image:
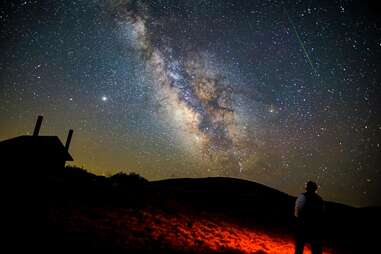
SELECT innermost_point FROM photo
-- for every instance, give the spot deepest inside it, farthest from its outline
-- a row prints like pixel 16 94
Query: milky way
pixel 198 99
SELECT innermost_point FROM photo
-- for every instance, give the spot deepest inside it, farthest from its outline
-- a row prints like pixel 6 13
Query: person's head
pixel 311 186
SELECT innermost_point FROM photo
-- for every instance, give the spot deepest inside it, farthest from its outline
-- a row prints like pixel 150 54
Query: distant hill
pixel 236 197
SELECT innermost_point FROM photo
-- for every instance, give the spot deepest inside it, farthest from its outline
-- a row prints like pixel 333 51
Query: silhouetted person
pixel 309 209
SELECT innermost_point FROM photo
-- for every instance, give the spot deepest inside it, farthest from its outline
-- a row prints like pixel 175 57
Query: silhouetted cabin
pixel 40 153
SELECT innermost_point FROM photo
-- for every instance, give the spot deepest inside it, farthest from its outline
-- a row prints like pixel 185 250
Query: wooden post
pixel 38 126
pixel 68 140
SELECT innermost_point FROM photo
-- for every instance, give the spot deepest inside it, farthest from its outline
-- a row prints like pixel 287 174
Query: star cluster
pixel 276 92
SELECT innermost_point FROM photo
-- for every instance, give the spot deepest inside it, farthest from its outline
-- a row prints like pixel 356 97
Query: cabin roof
pixel 44 146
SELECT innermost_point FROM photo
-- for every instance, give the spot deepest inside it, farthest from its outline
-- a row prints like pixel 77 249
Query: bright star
pixel 104 98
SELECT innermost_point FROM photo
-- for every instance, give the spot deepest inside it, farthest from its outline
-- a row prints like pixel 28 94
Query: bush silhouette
pixel 123 180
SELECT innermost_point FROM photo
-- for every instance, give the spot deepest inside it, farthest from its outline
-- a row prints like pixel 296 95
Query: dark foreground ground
pixel 72 211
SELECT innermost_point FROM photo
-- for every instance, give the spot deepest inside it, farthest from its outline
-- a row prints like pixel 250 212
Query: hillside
pixel 73 210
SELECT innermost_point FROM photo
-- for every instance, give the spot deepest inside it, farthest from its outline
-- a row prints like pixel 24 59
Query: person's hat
pixel 311 186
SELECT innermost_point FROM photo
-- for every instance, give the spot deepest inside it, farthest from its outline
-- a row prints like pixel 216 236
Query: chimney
pixel 38 126
pixel 68 140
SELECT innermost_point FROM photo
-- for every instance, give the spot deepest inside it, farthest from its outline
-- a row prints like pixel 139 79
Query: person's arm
pixel 299 204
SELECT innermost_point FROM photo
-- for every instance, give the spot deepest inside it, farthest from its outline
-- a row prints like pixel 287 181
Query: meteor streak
pixel 301 44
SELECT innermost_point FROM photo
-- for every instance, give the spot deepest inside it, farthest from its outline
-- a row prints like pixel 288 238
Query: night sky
pixel 278 92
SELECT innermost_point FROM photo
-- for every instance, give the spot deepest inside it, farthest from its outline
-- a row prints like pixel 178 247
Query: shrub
pixel 122 179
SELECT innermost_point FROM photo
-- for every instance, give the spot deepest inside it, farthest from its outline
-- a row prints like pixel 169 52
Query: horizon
pixel 109 174
pixel 276 93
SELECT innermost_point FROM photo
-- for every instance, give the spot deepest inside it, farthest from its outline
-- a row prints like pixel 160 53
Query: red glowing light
pixel 179 232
